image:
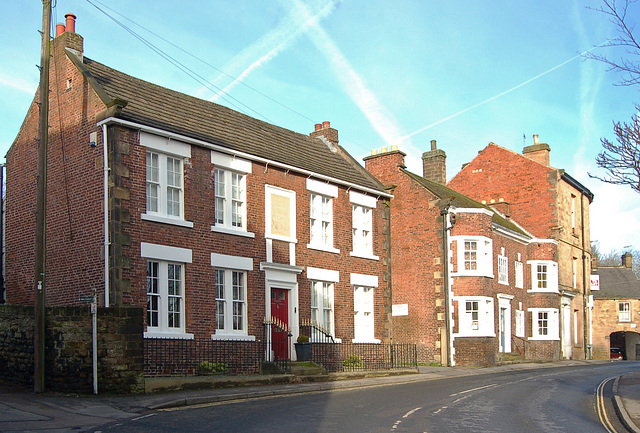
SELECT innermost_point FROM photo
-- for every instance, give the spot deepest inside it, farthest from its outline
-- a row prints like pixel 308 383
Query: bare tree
pixel 621 159
pixel 629 63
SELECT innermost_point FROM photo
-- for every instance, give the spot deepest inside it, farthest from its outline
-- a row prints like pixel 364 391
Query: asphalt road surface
pixel 542 400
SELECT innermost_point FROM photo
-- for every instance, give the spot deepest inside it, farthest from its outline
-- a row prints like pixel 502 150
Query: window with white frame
pixel 165 179
pixel 519 268
pixel 503 268
pixel 363 314
pixel 165 290
pixel 165 296
pixel 230 190
pixel 322 304
pixel 624 311
pixel 363 296
pixel 230 289
pixel 321 221
pixel 362 224
pixel 164 185
pixel 475 317
pixel 475 256
pixel 520 323
pixel 231 301
pixel 321 215
pixel 544 276
pixel 545 324
pixel 574 272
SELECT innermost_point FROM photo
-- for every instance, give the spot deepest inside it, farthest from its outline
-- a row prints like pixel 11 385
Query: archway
pixel 628 342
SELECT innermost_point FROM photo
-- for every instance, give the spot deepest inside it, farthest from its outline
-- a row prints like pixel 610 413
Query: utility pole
pixel 41 194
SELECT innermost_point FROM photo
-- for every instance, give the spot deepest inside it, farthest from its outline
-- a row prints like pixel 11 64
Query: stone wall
pixel 69 356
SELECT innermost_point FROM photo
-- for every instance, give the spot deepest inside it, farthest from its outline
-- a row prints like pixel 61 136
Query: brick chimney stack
pixel 434 165
pixel 538 152
pixel 627 260
pixel 67 37
pixel 384 164
pixel 325 131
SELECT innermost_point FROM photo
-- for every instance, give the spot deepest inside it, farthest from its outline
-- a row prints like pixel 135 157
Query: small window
pixel 470 255
pixel 544 276
pixel 230 204
pixel 624 312
pixel 545 324
pixel 472 311
pixel 475 317
pixel 503 270
pixel 519 267
pixel 321 221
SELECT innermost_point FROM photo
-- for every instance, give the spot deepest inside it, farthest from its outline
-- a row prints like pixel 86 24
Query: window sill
pixel 234 232
pixel 234 337
pixel 364 255
pixel 166 220
pixel 471 274
pixel 370 341
pixel 323 248
pixel 544 291
pixel 544 338
pixel 472 335
pixel 168 335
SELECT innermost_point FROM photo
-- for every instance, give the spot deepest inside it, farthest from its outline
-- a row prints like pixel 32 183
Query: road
pixel 542 400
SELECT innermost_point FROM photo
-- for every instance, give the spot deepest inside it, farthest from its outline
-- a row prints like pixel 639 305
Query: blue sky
pixel 462 72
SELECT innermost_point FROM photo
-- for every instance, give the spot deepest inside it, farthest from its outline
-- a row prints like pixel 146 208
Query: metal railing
pixel 336 357
pixel 315 332
pixel 277 344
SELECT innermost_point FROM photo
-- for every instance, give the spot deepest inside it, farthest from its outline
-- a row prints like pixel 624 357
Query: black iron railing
pixel 176 357
pixel 315 332
pixel 277 344
pixel 335 357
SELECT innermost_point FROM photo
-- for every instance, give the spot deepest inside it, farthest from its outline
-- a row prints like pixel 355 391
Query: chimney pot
pixel 59 29
pixel 326 124
pixel 318 126
pixel 433 145
pixel 71 23
pixel 536 139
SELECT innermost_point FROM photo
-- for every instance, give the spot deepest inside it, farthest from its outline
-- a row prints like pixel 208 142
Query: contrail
pixel 382 121
pixel 542 74
pixel 273 42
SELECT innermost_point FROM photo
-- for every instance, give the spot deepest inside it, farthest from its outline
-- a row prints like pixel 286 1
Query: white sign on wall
pixel 595 282
pixel 400 310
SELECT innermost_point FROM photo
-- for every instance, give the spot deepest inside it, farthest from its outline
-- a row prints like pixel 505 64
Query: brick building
pixel 458 259
pixel 551 205
pixel 616 310
pixel 209 219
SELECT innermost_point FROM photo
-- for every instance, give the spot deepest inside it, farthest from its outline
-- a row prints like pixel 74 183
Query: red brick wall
pixel 500 173
pixel 74 237
pixel 416 257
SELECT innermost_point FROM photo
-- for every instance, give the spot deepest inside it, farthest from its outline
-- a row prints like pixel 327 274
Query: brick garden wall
pixel 68 350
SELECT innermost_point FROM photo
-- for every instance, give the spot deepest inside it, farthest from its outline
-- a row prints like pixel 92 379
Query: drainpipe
pixel 447 298
pixel 585 324
pixel 105 165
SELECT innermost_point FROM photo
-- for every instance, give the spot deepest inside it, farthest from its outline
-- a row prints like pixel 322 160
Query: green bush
pixel 212 367
pixel 352 361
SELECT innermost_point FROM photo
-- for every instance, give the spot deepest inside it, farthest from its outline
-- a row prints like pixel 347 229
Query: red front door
pixel 280 311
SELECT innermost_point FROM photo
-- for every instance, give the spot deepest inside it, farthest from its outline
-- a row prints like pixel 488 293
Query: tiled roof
pixel 460 200
pixel 617 283
pixel 158 107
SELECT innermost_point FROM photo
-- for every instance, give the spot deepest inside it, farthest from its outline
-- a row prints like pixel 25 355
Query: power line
pixel 202 80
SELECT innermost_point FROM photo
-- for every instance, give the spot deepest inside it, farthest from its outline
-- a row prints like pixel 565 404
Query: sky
pixel 384 72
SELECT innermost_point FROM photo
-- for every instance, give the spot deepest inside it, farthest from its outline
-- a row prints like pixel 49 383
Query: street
pixel 541 400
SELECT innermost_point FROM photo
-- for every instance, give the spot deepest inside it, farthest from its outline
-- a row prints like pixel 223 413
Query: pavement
pixel 22 410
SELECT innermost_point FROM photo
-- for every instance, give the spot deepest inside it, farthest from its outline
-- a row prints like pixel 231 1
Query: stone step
pixel 307 368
